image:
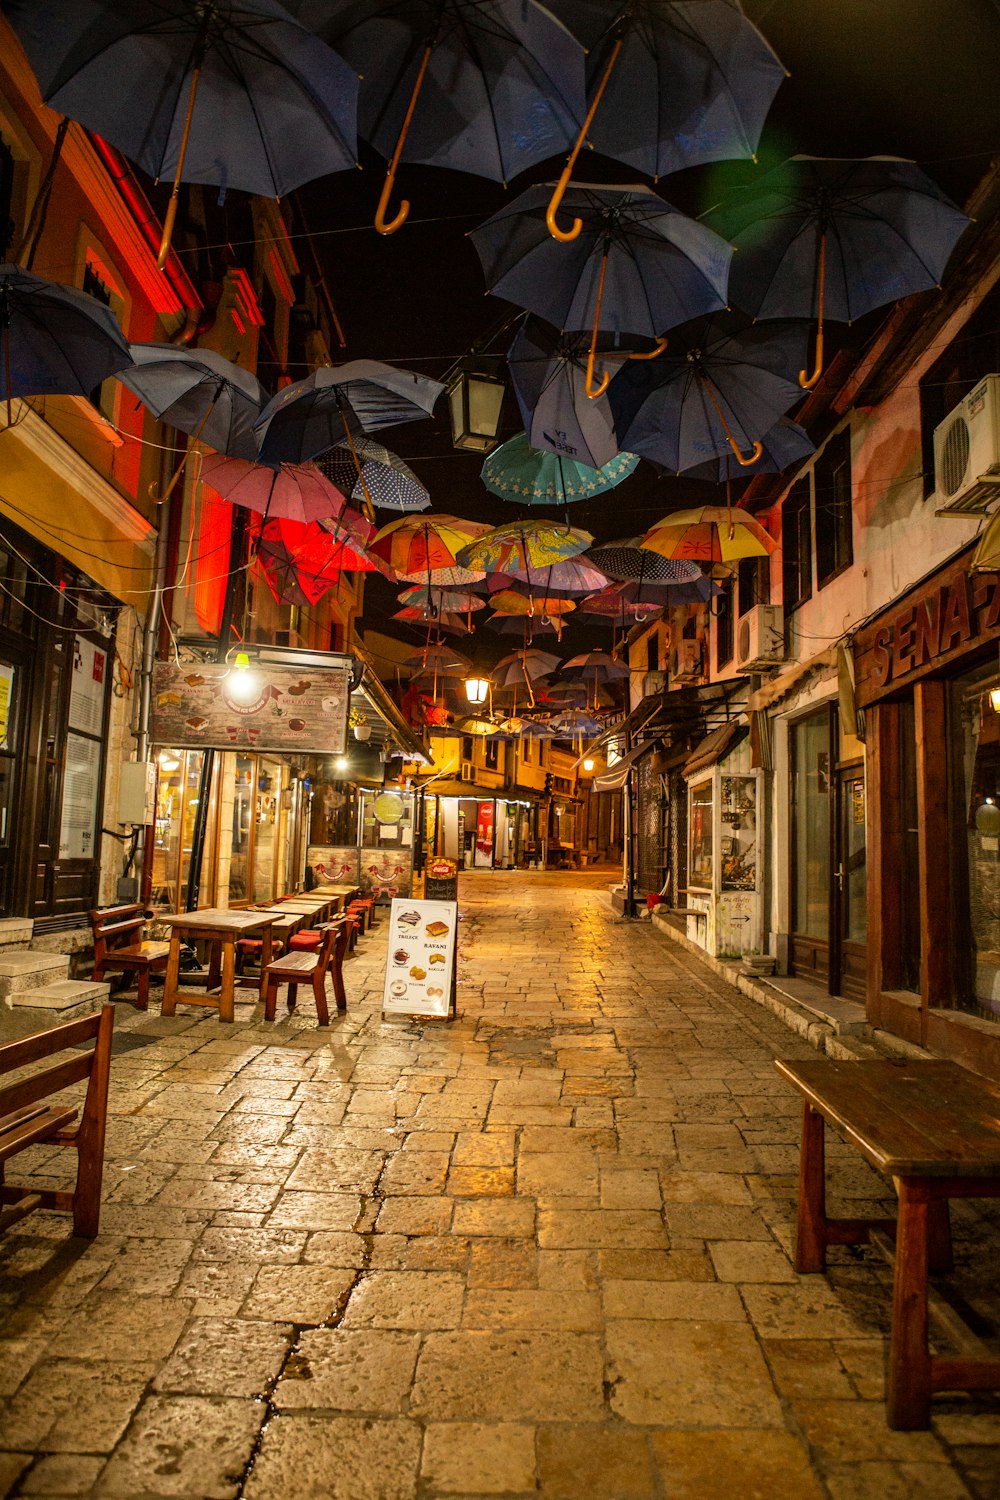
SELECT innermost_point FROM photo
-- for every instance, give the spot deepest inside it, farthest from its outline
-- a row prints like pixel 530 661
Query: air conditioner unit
pixel 760 637
pixel 653 683
pixel 468 771
pixel 689 660
pixel 967 453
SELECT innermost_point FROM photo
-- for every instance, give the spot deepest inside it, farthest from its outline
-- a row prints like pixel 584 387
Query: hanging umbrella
pixel 301 563
pixel 509 603
pixel 415 546
pixel 483 86
pixel 391 484
pixel 574 576
pixel 638 600
pixel 453 624
pixel 295 492
pixel 536 729
pixel 832 238
pixel 527 628
pixel 458 601
pixel 333 403
pixel 671 85
pixel 612 604
pixel 447 578
pixel 715 391
pixel 533 545
pixel 786 443
pixel 521 667
pixel 548 372
pixel 235 93
pixel 627 562
pixel 710 533
pixel 638 268
pixel 597 665
pixel 530 476
pixel 54 340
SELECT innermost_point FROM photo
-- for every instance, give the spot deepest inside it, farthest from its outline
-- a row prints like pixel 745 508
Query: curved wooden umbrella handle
pixel 751 457
pixel 565 235
pixel 808 381
pixel 389 226
pixel 594 391
pixel 661 345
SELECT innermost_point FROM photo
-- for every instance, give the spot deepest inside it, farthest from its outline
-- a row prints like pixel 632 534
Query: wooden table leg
pixel 810 1247
pixel 939 1252
pixel 169 1002
pixel 265 959
pixel 909 1383
pixel 214 972
pixel 227 993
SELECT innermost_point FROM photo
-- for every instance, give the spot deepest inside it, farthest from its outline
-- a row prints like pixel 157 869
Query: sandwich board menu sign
pixel 420 969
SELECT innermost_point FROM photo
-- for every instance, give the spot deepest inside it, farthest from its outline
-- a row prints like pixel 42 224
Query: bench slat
pixel 34 1126
pixel 49 1081
pixel 44 1043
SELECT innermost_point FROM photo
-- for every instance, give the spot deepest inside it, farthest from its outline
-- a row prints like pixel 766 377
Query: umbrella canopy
pixel 200 393
pixel 442 660
pixel 526 628
pixel 507 602
pixel 451 623
pixel 483 86
pixel 301 563
pixel 295 492
pixel 447 578
pixel 391 484
pixel 434 599
pixel 709 533
pixel 683 84
pixel 54 340
pixel 531 545
pixel 235 93
pixel 330 405
pixel 523 666
pixel 574 576
pixel 414 546
pixel 530 476
pixel 574 723
pixel 627 561
pixel 786 443
pixel 717 390
pixel 639 267
pixel 597 665
pixel 647 599
pixel 548 372
pixel 831 238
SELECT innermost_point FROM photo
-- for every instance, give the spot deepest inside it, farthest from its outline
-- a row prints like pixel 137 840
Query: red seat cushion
pixel 303 941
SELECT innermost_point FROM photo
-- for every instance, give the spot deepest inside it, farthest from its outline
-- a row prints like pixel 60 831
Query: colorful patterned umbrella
pixel 529 545
pixel 530 476
pixel 457 600
pixel 414 546
pixel 445 578
pixel 509 603
pixel 709 533
pixel 574 576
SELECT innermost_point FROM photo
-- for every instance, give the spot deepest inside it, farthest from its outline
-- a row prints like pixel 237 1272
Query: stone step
pixel 26 971
pixel 63 1000
pixel 15 933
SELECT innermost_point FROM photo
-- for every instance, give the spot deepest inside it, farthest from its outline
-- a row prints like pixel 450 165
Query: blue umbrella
pixel 823 237
pixel 515 471
pixel 484 86
pixel 200 393
pixel 638 268
pixel 672 84
pixel 391 484
pixel 332 404
pixel 715 391
pixel 56 340
pixel 548 373
pixel 235 93
pixel 785 444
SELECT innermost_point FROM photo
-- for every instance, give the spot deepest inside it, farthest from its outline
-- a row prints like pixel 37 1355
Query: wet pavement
pixel 542 1250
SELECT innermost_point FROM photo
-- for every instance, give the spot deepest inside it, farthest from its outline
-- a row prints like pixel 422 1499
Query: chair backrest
pixel 331 933
pixel 116 927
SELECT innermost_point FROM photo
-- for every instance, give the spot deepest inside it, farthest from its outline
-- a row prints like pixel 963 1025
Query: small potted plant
pixel 359 724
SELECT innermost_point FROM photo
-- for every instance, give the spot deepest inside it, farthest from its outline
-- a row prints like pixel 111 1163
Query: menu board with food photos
pixel 267 708
pixel 420 968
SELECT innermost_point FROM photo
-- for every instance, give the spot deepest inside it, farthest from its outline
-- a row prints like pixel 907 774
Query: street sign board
pixel 420 967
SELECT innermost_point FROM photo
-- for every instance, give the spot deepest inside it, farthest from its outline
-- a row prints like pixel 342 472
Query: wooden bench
pixel 294 969
pixel 119 944
pixel 934 1129
pixel 25 1120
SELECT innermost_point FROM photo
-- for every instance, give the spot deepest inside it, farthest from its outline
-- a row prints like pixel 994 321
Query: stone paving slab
pixel 540 1251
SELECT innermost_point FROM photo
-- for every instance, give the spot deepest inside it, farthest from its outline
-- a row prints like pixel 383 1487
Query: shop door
pixel 12 692
pixel 811 746
pixel 849 888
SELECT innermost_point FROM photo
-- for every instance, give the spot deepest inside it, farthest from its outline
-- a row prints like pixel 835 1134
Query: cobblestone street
pixel 541 1251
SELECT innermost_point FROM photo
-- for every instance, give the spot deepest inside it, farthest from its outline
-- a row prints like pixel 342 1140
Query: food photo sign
pixel 208 705
pixel 420 969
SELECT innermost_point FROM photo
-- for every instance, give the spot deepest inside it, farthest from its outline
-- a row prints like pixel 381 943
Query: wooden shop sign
pixel 936 623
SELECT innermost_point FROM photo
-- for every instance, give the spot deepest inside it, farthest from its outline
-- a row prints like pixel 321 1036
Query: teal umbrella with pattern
pixel 531 476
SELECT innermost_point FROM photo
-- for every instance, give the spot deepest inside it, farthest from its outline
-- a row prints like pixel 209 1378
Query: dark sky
pixel 915 78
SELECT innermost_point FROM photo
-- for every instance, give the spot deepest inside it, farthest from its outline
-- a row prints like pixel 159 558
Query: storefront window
pixel 700 842
pixel 243 814
pixel 810 756
pixel 266 832
pixel 979 749
pixel 738 814
pixel 176 806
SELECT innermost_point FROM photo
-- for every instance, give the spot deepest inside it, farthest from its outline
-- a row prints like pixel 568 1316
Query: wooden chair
pixel 294 969
pixel 25 1121
pixel 119 944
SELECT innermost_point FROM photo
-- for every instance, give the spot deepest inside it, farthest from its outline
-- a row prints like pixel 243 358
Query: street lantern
pixel 475 400
pixel 477 689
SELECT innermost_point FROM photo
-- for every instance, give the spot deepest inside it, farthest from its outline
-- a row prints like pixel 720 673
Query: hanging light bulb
pixel 242 684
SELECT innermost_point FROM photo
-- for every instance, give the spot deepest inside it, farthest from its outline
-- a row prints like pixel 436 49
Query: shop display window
pixel 978 744
pixel 700 836
pixel 738 815
pixel 176 805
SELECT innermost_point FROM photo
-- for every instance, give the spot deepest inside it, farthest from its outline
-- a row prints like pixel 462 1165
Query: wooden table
pixel 934 1128
pixel 342 893
pixel 319 910
pixel 220 928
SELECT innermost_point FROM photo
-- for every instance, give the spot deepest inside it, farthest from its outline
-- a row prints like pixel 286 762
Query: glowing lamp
pixel 588 764
pixel 476 689
pixel 995 699
pixel 475 400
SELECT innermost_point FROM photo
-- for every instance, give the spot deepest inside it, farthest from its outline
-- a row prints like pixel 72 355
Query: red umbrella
pixel 301 563
pixel 294 492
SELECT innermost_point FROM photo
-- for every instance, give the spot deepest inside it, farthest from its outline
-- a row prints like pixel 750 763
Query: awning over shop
pixel 614 778
pixel 714 746
pixel 452 787
pixel 405 737
pixel 792 679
